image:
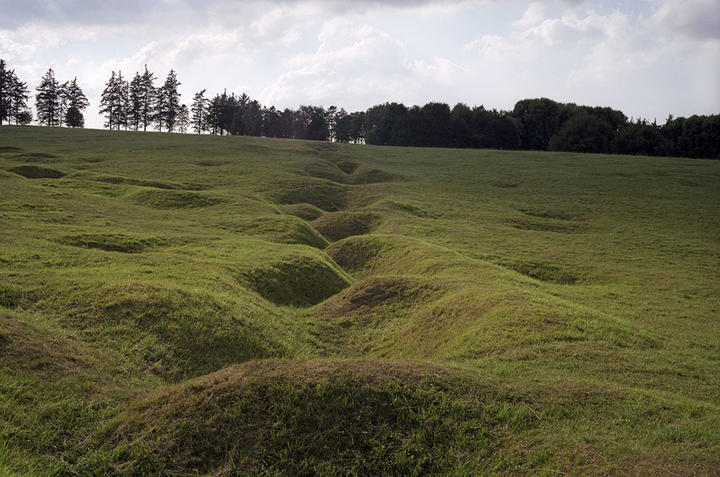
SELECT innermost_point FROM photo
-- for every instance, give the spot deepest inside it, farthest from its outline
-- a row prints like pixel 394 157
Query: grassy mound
pixel 284 229
pixel 314 418
pixel 170 199
pixel 339 225
pixel 303 211
pixel 546 272
pixel 12 296
pixel 545 227
pixel 37 172
pixel 356 253
pixel 9 297
pixel 211 163
pixel 347 166
pixel 91 160
pixel 504 184
pixel 50 389
pixel 373 175
pixel 332 171
pixel 33 157
pixel 140 182
pixel 113 242
pixel 483 309
pixel 392 255
pixel 300 280
pixel 404 207
pixel 372 417
pixel 34 351
pixel 551 214
pixel 378 292
pixel 322 194
pixel 326 170
pixel 6 149
pixel 169 332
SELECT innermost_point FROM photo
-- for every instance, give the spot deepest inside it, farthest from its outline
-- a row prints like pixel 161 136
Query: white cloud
pixel 533 35
pixel 698 19
pixel 441 70
pixel 28 39
pixel 352 64
pixel 534 14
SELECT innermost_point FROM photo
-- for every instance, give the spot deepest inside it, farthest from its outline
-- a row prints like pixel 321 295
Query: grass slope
pixel 174 305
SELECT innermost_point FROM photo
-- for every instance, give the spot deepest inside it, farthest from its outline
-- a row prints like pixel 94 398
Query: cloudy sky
pixel 649 58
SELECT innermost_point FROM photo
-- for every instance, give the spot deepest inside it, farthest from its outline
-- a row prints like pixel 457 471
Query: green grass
pixel 180 305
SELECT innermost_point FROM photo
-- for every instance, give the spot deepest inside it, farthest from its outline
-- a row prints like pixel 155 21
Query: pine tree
pixel 4 92
pixel 106 102
pixel 19 95
pixel 14 95
pixel 148 98
pixel 136 97
pixel 214 115
pixel 122 101
pixel 47 100
pixel 199 110
pixel 252 119
pixel 168 103
pixel 114 102
pixel 62 102
pixel 76 103
pixel 183 118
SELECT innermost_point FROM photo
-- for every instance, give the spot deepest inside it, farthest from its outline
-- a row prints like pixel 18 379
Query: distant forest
pixel 533 124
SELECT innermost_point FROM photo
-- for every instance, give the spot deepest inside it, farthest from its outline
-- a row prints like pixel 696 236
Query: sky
pixel 648 58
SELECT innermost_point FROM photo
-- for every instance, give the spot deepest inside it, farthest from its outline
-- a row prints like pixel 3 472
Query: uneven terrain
pixel 182 305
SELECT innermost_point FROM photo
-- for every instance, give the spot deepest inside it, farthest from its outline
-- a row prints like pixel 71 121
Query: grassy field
pixel 181 305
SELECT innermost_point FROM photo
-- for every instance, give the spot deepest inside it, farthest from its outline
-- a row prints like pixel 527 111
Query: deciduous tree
pixel 76 103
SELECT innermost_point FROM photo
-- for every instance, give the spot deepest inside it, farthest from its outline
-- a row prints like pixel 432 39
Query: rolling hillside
pixel 182 305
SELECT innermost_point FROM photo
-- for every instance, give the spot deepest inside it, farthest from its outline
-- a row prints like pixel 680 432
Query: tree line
pixel 533 124
pixel 541 124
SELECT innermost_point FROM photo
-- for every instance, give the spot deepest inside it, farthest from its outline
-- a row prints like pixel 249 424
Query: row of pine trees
pixel 56 103
pixel 141 104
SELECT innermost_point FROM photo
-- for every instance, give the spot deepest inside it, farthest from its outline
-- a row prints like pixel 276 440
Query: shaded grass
pixel 369 417
pixel 339 225
pixel 546 272
pixel 323 195
pixel 298 280
pixel 357 174
pixel 304 211
pixel 169 332
pixel 282 229
pixel 36 172
pixel 318 417
pixel 144 183
pixel 377 292
pixel 166 199
pixel 113 242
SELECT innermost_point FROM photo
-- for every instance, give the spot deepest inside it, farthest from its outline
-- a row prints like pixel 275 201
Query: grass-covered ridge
pixel 226 305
